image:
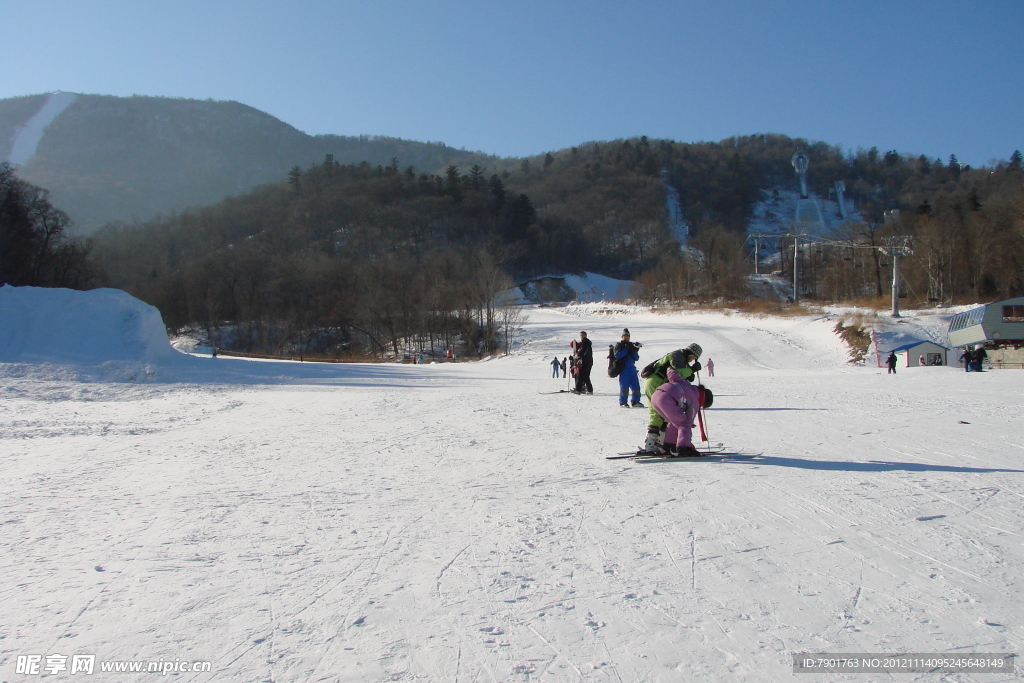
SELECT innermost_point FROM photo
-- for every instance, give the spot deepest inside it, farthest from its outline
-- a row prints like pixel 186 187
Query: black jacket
pixel 585 351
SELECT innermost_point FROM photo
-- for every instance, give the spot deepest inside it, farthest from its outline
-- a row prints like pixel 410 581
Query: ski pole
pixel 700 413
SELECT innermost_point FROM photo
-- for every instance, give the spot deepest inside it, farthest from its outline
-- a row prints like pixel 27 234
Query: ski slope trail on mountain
pixel 312 522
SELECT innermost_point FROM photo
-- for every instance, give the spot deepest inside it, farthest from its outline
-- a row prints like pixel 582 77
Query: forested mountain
pixel 379 251
pixel 373 245
pixel 110 159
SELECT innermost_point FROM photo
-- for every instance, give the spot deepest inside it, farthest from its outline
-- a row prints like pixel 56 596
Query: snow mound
pixel 589 287
pixel 64 326
pixel 594 287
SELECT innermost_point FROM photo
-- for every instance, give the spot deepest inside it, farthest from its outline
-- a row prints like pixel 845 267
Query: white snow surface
pixel 455 522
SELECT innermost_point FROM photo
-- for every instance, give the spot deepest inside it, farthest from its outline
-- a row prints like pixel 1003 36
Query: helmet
pixel 694 350
pixel 706 397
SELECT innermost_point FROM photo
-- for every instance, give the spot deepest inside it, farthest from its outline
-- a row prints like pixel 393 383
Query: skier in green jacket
pixel 683 361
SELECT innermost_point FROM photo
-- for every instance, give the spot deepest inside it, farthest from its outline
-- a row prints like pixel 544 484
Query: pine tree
pixel 476 177
pixel 498 193
pixel 295 177
pixel 451 183
pixel 520 215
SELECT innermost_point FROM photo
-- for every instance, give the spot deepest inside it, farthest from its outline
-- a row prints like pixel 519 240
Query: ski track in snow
pixel 450 522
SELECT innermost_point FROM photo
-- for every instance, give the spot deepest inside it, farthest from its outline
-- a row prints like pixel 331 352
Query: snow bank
pixel 593 287
pixel 64 326
pixel 589 287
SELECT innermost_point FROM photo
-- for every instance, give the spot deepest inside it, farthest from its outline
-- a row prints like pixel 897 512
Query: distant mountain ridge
pixel 124 159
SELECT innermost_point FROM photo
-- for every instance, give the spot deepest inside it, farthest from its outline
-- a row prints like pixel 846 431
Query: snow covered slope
pixel 459 522
pixel 27 139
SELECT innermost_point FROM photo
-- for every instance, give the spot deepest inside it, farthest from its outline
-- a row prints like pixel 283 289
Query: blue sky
pixel 931 77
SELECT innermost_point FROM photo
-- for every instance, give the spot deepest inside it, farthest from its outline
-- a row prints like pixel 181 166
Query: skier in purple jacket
pixel 678 401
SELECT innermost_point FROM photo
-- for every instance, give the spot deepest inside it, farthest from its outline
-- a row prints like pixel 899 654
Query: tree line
pixel 385 260
pixel 340 260
pixel 37 247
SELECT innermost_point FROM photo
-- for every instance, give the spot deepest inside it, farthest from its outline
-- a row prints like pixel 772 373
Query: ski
pixel 714 449
pixel 573 391
pixel 719 456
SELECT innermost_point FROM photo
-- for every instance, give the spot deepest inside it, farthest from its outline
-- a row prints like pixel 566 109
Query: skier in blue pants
pixel 629 381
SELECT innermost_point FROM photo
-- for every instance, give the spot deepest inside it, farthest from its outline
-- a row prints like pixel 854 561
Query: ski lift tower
pixel 840 190
pixel 896 246
pixel 808 213
pixel 800 163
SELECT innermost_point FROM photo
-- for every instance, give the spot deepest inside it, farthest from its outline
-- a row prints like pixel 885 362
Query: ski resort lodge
pixel 998 326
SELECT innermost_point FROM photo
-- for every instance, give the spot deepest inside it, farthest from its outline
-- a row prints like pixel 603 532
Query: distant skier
pixel 965 358
pixel 564 361
pixel 710 367
pixel 555 367
pixel 686 364
pixel 891 361
pixel 628 354
pixel 678 401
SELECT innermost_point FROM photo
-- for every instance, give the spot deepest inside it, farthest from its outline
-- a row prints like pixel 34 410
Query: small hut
pixel 910 355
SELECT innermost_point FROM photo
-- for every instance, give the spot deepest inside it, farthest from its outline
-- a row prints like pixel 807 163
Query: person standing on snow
pixel 684 362
pixel 628 352
pixel 555 366
pixel 711 368
pixel 677 402
pixel 585 354
pixel 564 361
pixel 979 357
pixel 891 360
